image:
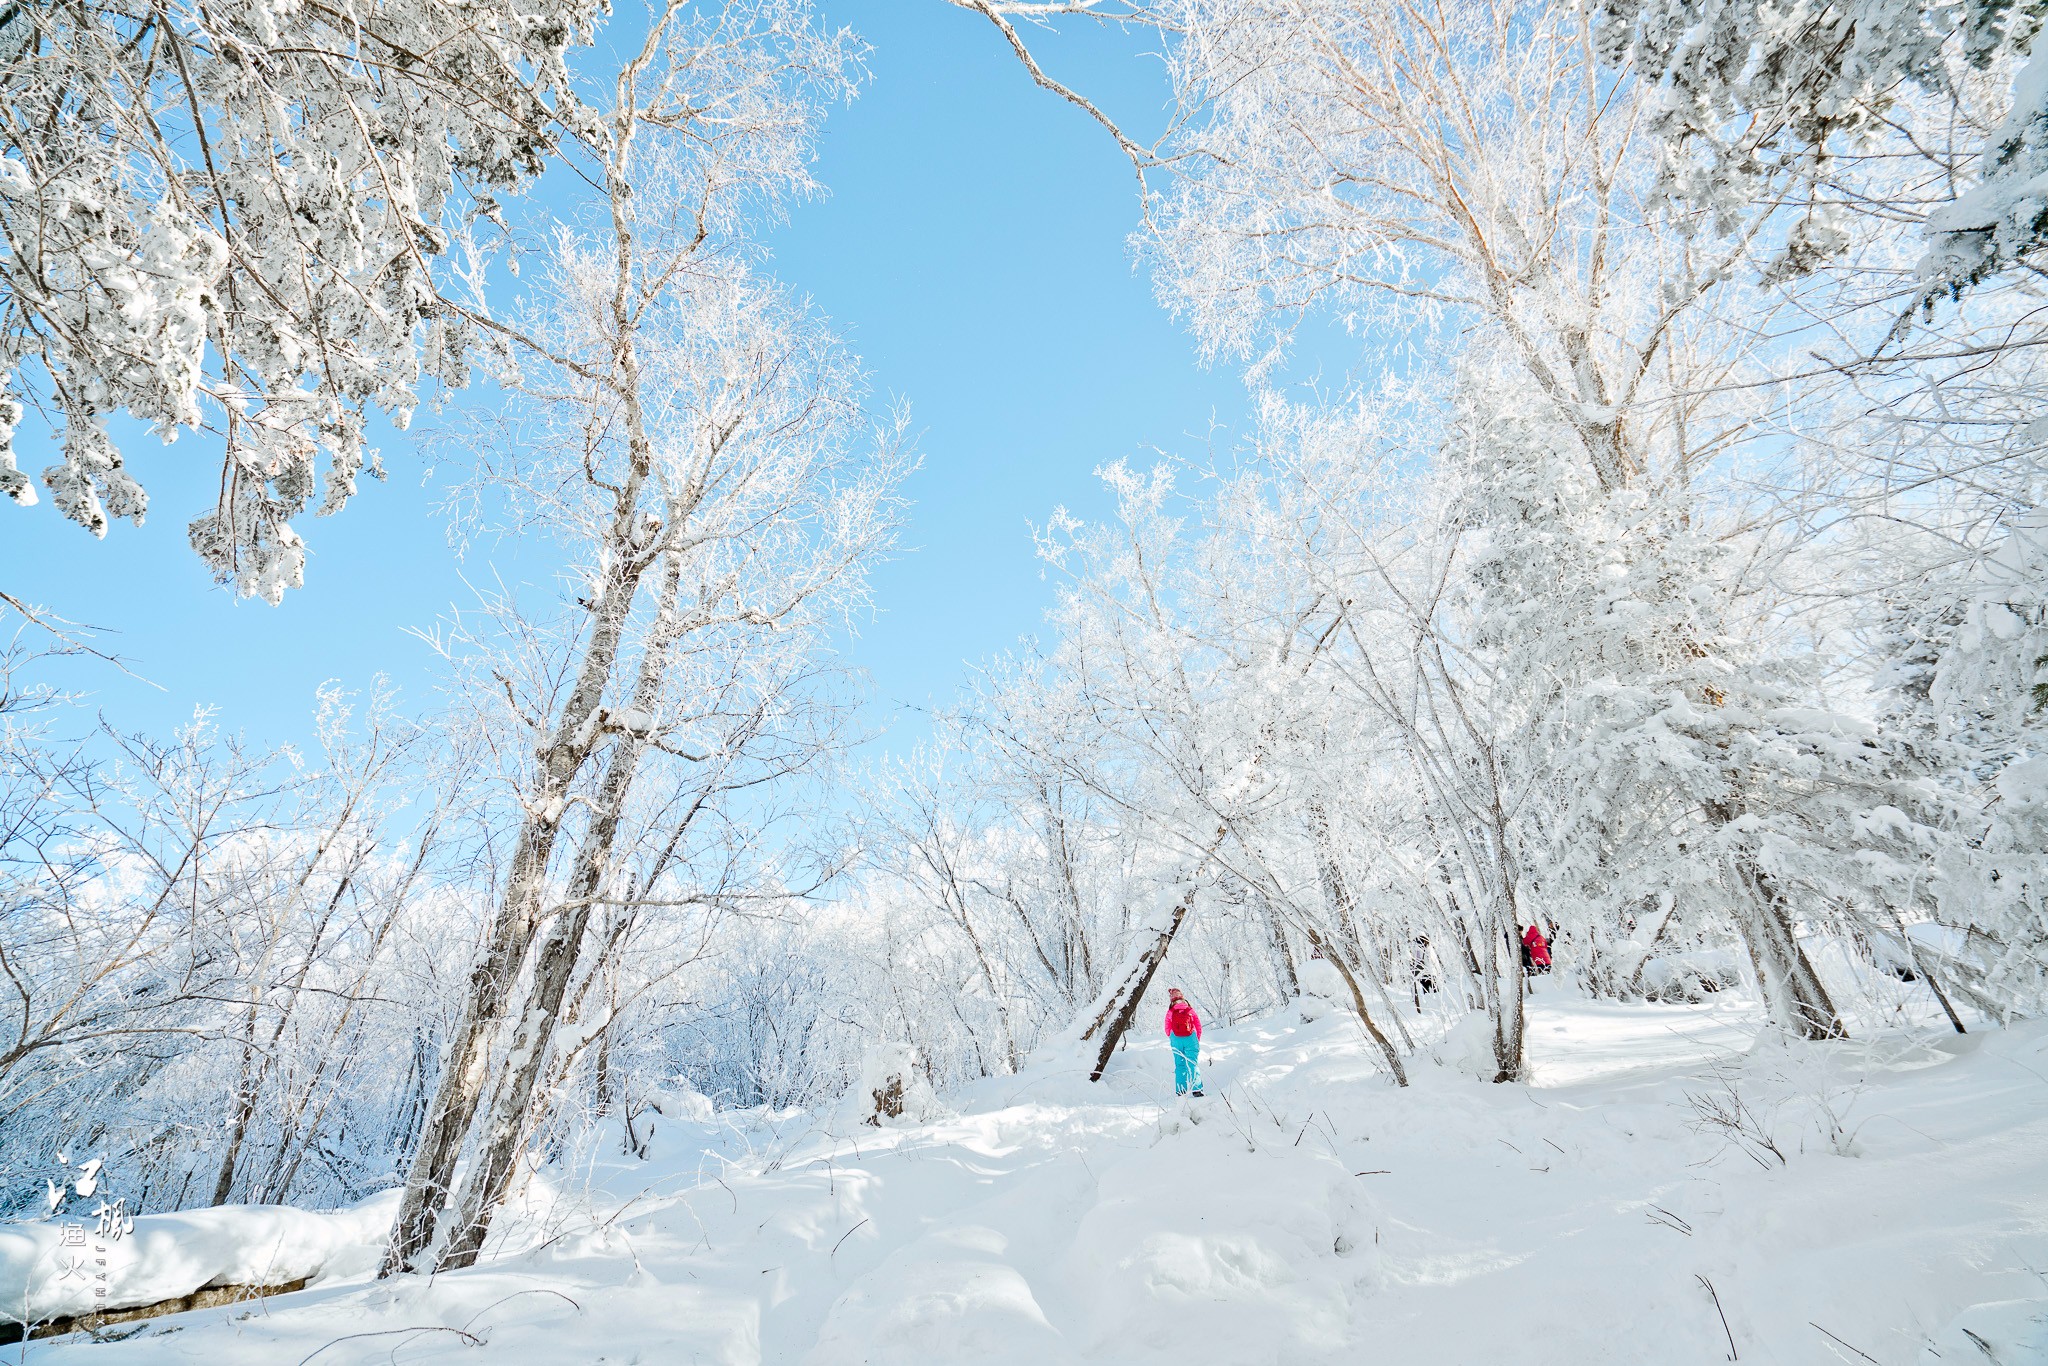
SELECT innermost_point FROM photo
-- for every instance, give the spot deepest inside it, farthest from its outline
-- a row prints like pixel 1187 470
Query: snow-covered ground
pixel 1305 1211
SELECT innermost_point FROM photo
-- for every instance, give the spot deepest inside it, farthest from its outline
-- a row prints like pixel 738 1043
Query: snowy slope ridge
pixel 1664 1172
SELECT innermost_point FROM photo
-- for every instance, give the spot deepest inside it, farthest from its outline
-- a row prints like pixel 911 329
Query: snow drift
pixel 1665 1166
pixel 168 1256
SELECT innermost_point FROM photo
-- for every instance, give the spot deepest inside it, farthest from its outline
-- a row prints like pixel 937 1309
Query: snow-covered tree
pixel 695 441
pixel 255 222
pixel 1634 515
pixel 1761 103
pixel 208 947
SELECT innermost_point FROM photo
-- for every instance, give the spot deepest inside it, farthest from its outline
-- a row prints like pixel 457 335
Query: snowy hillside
pixel 1305 1211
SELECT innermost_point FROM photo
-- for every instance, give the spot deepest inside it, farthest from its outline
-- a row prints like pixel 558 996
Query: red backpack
pixel 1180 1020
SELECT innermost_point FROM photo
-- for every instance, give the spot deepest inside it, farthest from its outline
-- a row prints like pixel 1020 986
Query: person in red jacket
pixel 1184 1036
pixel 1535 951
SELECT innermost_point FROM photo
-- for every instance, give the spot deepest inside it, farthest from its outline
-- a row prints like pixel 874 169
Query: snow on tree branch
pixel 1758 100
pixel 228 219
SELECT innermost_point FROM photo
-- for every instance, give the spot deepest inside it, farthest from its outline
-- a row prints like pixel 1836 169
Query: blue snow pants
pixel 1186 1075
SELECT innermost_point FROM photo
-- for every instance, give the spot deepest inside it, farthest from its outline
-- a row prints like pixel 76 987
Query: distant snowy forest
pixel 1675 580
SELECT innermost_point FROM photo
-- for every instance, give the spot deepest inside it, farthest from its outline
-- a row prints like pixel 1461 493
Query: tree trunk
pixel 1509 1034
pixel 256 1066
pixel 1926 974
pixel 1337 895
pixel 246 1090
pixel 1283 957
pixel 1336 891
pixel 631 542
pixel 1966 980
pixel 605 1099
pixel 1792 989
pixel 505 1123
pixel 957 908
pixel 1120 1004
pixel 513 927
pixel 462 1078
pixel 1076 960
pixel 1336 960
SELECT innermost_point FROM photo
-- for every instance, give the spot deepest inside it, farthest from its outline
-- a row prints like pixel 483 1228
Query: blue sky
pixel 971 249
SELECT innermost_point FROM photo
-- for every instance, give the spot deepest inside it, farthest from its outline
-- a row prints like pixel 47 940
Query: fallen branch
pixel 207 1298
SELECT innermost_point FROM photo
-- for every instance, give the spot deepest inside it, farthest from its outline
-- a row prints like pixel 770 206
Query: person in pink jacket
pixel 1184 1036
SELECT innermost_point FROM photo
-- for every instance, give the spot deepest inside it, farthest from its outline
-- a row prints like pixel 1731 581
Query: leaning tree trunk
pixel 631 541
pixel 447 1124
pixel 1284 971
pixel 490 1174
pixel 1792 990
pixel 1926 974
pixel 432 1172
pixel 1118 1006
pixel 1337 896
pixel 504 1122
pixel 1335 959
